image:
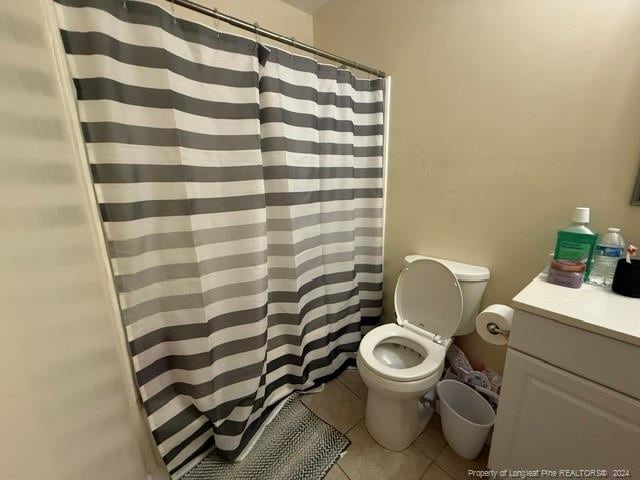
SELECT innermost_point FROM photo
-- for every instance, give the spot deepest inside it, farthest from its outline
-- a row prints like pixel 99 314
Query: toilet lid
pixel 428 296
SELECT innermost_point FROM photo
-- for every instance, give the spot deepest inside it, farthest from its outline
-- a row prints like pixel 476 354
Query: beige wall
pixel 505 115
pixel 67 401
pixel 69 408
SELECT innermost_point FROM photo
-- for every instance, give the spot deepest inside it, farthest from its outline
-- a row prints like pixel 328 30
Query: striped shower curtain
pixel 240 189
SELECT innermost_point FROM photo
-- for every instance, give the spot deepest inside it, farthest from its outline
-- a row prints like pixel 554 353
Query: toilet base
pixel 395 423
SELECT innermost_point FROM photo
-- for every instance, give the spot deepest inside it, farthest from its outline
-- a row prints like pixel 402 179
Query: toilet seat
pixel 428 297
pixel 432 352
pixel 428 303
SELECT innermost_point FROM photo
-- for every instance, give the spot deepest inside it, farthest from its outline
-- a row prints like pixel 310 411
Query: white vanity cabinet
pixel 570 397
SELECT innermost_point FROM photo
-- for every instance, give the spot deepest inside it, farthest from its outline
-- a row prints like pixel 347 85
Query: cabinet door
pixel 549 418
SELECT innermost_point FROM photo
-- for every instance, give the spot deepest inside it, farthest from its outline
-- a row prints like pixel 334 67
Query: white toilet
pixel 435 299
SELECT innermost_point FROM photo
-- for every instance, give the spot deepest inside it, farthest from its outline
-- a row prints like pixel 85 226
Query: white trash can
pixel 466 417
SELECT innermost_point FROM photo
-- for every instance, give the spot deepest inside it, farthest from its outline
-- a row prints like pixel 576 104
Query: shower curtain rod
pixel 263 32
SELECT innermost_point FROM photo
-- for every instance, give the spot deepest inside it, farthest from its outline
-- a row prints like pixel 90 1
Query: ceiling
pixel 309 6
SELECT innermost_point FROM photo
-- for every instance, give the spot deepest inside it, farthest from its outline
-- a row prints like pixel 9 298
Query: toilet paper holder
pixel 494 329
pixel 493 324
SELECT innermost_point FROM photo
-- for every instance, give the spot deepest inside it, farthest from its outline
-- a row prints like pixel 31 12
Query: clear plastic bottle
pixel 608 250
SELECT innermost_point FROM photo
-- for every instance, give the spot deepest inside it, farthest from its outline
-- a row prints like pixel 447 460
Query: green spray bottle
pixel 577 242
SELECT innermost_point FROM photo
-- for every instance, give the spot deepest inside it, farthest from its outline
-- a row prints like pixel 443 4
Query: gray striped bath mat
pixel 296 445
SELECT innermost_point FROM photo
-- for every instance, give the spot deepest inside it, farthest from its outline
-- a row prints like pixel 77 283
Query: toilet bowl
pixel 400 363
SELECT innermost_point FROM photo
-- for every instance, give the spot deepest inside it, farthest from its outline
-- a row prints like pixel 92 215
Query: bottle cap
pixel 613 229
pixel 581 215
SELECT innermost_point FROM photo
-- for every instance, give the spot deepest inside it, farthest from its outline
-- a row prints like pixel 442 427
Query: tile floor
pixel 342 404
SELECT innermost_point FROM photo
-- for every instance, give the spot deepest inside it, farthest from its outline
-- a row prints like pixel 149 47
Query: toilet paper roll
pixel 501 315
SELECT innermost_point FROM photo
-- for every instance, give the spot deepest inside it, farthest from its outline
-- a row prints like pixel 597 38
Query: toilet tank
pixel 472 280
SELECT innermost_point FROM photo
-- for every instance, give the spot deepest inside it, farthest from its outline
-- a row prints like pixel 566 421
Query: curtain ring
pixel 256 26
pixel 173 12
pixel 216 22
pixel 293 45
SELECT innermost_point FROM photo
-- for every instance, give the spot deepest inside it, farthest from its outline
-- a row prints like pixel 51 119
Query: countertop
pixel 590 308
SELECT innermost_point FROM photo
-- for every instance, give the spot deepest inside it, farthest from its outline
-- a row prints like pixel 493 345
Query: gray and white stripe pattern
pixel 240 188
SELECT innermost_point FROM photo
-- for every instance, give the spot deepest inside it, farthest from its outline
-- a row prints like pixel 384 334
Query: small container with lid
pixel 566 273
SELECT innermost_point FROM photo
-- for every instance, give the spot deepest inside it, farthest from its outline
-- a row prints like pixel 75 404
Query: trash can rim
pixel 453 410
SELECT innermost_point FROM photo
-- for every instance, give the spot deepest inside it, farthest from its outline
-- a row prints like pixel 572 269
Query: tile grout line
pixel 354 425
pixel 441 450
pixel 345 473
pixel 431 462
pixel 356 397
pixel 444 447
pixel 350 389
pixel 443 467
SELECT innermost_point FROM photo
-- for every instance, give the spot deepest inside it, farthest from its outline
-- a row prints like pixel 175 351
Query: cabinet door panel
pixel 549 418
